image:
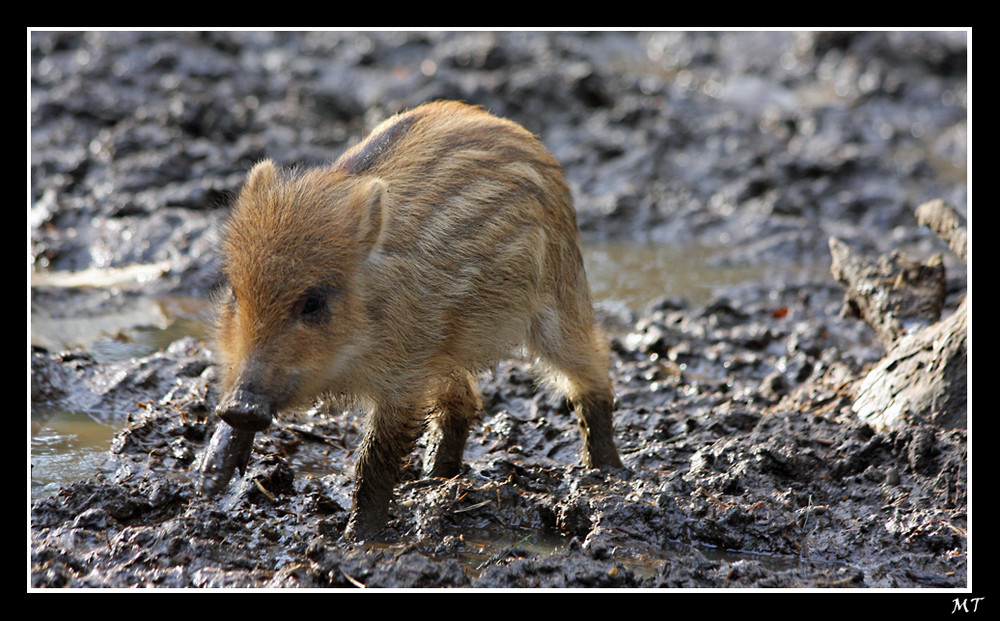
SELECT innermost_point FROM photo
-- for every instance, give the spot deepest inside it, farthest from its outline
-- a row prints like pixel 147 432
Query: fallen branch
pixel 894 295
pixel 923 376
pixel 947 223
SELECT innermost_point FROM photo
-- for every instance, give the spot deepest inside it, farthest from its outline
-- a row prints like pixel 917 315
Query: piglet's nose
pixel 244 409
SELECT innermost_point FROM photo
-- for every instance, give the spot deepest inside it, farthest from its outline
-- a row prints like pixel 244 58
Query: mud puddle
pixel 631 274
pixel 65 446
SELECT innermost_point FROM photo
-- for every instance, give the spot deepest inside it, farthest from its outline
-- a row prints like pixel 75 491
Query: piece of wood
pixel 923 378
pixel 949 225
pixel 894 295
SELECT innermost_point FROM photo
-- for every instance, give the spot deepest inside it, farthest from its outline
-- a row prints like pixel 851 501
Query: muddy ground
pixel 745 466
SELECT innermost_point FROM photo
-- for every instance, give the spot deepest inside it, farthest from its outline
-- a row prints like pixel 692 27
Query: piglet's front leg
pixel 390 436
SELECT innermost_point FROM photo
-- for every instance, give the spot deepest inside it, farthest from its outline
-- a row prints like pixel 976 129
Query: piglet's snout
pixel 245 409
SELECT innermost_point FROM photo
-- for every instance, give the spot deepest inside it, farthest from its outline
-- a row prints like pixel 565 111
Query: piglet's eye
pixel 313 305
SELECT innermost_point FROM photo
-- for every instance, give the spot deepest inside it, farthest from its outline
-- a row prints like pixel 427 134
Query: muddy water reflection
pixel 634 273
pixel 65 446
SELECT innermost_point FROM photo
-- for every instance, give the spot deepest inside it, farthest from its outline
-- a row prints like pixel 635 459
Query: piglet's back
pixel 478 231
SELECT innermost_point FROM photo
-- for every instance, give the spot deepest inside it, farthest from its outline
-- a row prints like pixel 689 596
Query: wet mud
pixel 744 463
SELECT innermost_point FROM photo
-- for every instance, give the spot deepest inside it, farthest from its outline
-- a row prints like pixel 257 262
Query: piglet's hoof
pixel 361 529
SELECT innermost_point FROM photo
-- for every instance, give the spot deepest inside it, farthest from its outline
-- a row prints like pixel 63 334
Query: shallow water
pixel 65 446
pixel 632 274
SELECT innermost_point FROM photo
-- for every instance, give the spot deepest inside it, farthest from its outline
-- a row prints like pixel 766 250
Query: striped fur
pixel 421 256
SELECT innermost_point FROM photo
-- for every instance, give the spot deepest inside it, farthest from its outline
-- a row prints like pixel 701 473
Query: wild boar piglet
pixel 420 257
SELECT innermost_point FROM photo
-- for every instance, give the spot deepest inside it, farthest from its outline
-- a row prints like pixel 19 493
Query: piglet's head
pixel 288 317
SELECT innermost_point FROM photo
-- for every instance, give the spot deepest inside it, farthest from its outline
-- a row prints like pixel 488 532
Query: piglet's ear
pixel 369 201
pixel 261 176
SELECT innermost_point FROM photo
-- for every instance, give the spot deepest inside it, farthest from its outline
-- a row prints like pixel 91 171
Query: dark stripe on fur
pixel 367 154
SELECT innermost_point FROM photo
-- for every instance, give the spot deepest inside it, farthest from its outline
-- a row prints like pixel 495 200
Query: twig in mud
pixel 958 531
pixel 724 503
pixel 107 540
pixel 405 487
pixel 498 556
pixel 475 506
pixel 264 490
pixel 920 528
pixel 852 579
pixel 894 502
pixel 355 582
pixel 315 437
pixel 805 522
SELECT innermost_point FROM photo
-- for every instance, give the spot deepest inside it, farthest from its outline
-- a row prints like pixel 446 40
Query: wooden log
pixel 949 225
pixel 923 378
pixel 894 295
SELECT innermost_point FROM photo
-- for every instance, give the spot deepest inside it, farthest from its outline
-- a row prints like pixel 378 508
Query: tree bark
pixel 923 376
